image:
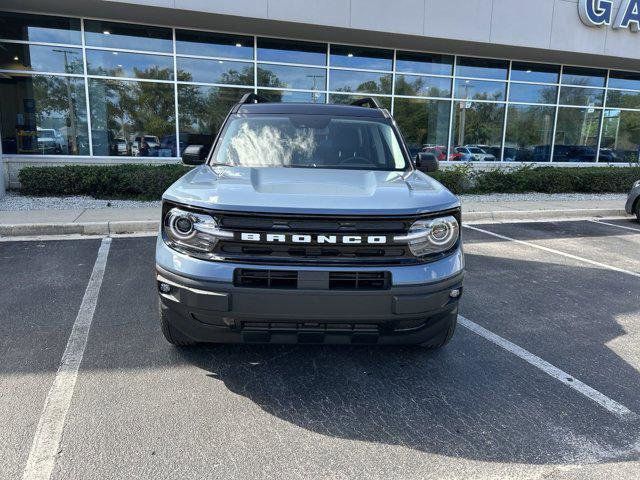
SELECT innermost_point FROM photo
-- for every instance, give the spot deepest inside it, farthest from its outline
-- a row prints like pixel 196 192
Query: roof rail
pixel 368 102
pixel 253 98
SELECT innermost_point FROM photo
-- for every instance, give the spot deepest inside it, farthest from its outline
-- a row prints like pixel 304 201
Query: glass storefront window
pixel 628 80
pixel 214 71
pixel 422 86
pixel 99 33
pixel 208 44
pixel 480 90
pixel 426 63
pixel 535 72
pixel 424 124
pixel 620 136
pixel 291 51
pixel 479 125
pixel 132 65
pixel 132 118
pixel 529 93
pixel 202 111
pixel 40 58
pixel 623 99
pixel 529 133
pixel 583 77
pixel 140 67
pixel 588 97
pixel 43 115
pixel 304 78
pixel 288 96
pixel 40 28
pixel 342 99
pixel 577 134
pixel 482 68
pixel 361 57
pixel 358 81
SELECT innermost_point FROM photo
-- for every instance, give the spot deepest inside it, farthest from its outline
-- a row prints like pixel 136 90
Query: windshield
pixel 476 150
pixel 309 141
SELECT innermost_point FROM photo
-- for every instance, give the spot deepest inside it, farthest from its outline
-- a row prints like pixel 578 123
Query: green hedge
pixel 148 181
pixel 464 179
pixel 144 182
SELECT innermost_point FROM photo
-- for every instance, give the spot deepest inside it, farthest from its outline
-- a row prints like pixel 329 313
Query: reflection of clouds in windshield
pixel 268 147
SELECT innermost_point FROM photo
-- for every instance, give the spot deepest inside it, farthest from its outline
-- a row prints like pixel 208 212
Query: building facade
pixel 498 81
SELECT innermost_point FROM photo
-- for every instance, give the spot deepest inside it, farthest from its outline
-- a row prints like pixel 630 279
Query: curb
pixel 149 226
pixel 542 214
pixel 87 228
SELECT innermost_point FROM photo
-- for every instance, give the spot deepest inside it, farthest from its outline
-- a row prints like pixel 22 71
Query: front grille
pixel 359 280
pixel 265 278
pixel 290 279
pixel 327 254
pixel 330 254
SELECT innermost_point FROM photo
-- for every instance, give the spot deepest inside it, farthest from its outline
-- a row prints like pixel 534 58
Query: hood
pixel 311 191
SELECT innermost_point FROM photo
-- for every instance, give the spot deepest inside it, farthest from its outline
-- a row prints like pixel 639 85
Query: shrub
pixel 541 179
pixel 144 182
pixel 148 182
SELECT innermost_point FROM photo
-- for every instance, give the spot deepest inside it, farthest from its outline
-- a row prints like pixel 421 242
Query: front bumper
pixel 204 304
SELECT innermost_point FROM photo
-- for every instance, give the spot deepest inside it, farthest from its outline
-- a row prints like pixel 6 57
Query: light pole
pixel 314 95
pixel 72 115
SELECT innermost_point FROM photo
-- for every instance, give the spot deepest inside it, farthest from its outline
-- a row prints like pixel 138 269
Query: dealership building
pixel 102 82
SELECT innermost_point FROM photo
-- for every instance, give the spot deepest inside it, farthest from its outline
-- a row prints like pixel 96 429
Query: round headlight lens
pixel 184 225
pixel 433 235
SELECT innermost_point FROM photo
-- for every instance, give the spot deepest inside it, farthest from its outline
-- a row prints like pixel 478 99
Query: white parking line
pixel 557 252
pixel 570 381
pixel 615 225
pixel 44 449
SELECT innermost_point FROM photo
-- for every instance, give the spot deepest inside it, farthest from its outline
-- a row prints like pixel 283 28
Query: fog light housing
pixel 164 287
pixel 455 293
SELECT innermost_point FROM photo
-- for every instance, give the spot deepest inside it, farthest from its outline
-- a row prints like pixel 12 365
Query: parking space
pixel 143 409
pixel 42 286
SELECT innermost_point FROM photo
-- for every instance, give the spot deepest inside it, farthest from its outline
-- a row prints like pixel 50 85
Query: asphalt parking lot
pixel 542 379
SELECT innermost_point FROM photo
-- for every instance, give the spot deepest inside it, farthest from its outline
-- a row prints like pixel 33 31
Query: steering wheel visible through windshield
pixel 309 141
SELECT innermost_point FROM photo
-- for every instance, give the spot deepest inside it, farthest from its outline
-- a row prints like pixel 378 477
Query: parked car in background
pixel 479 153
pixel 633 201
pixel 119 146
pixel 474 154
pixel 50 141
pixel 439 152
pixel 145 145
pixel 168 142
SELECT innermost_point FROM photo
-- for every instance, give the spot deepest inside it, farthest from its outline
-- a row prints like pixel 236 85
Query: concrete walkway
pixel 107 221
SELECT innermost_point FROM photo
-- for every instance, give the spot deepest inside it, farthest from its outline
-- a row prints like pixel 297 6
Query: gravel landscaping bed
pixel 542 197
pixel 13 201
pixel 16 202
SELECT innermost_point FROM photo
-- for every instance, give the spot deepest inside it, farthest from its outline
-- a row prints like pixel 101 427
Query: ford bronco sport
pixel 309 223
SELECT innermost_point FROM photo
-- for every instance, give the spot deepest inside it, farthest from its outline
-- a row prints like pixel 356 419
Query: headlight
pixel 431 236
pixel 191 232
pixel 637 184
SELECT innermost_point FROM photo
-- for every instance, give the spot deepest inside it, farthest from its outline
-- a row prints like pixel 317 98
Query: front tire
pixel 443 338
pixel 171 334
pixel 638 210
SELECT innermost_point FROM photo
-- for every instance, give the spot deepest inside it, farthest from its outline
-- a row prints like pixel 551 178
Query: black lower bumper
pixel 223 313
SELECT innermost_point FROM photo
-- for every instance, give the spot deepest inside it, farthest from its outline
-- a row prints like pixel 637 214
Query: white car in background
pixel 50 141
pixel 475 154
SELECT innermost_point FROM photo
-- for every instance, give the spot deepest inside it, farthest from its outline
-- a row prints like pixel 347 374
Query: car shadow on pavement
pixel 472 399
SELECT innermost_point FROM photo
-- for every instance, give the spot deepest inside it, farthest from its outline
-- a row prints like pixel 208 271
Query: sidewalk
pixel 108 221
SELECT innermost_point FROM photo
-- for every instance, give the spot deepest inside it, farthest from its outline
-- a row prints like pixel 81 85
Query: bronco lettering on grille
pixel 313 239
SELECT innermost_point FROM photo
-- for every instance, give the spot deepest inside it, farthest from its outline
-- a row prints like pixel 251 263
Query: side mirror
pixel 427 162
pixel 194 155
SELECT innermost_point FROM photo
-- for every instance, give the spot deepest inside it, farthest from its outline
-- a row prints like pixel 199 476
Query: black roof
pixel 310 109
